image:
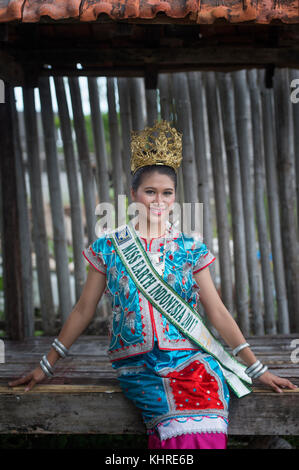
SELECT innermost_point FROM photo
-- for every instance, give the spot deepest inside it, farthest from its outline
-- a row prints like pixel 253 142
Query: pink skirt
pixel 205 440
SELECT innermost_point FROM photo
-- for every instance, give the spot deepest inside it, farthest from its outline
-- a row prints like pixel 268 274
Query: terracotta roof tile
pixel 200 11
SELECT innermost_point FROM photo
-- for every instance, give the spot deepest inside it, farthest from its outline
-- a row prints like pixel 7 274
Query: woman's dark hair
pixel 137 178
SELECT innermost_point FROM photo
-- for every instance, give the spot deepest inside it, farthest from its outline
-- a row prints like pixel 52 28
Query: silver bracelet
pixel 252 368
pixel 257 374
pixel 57 348
pixel 239 348
pixel 47 364
pixel 256 370
pixel 45 369
pixel 60 348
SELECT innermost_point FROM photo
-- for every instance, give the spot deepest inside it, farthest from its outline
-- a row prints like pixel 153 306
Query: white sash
pixel 170 304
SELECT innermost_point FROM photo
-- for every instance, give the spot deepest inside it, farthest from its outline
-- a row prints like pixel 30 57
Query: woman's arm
pixel 74 326
pixel 83 312
pixel 228 329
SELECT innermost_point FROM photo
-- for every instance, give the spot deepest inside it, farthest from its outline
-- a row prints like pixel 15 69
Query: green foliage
pixel 38 333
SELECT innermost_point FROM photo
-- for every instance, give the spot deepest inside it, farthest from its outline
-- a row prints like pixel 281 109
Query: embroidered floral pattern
pixel 132 333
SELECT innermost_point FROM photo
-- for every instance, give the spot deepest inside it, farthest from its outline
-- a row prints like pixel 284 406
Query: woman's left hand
pixel 275 382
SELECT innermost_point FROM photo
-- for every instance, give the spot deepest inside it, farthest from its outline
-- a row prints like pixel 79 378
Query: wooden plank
pixel 25 229
pixel 10 223
pixel 137 102
pixel 286 186
pixel 86 376
pixel 259 191
pixel 38 219
pixel 126 127
pixel 270 149
pixel 125 58
pixel 117 163
pixel 88 181
pixel 294 75
pixel 237 217
pixel 56 203
pixel 184 125
pixel 56 409
pixel 243 126
pixel 199 133
pixel 217 164
pixel 73 187
pixel 99 140
pixel 151 105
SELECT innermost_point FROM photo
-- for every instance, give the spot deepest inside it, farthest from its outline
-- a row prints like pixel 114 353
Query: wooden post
pixel 57 211
pixel 136 87
pixel 126 127
pixel 243 126
pixel 73 186
pixel 213 112
pixel 180 198
pixel 11 244
pixel 25 238
pixel 259 184
pixel 294 74
pixel 99 140
pixel 184 125
pixel 165 96
pixel 286 172
pixel 38 218
pixel 88 183
pixel 151 106
pixel 273 204
pixel 117 171
pixel 197 106
pixel 237 216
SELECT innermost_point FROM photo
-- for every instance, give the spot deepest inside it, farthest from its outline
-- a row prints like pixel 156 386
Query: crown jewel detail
pixel 157 145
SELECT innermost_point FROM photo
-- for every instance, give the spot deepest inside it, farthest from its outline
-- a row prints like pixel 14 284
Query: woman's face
pixel 157 194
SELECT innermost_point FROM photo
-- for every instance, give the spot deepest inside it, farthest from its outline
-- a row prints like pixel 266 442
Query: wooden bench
pixel 84 397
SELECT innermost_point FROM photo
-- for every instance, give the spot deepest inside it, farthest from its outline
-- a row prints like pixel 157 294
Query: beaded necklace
pixel 156 257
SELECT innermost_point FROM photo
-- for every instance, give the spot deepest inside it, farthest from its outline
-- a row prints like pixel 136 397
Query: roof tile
pixel 200 11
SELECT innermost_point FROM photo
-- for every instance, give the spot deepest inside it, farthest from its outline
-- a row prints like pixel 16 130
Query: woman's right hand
pixel 34 377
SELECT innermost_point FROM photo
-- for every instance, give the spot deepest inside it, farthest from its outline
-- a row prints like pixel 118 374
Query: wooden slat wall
pixel 236 138
pixel 273 205
pixel 71 169
pixel 259 190
pixel 60 248
pixel 243 124
pixel 37 209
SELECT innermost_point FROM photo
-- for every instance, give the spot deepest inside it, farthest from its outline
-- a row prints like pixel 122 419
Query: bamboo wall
pixel 240 146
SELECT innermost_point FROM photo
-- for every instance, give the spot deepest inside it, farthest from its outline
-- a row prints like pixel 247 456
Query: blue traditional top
pixel 135 324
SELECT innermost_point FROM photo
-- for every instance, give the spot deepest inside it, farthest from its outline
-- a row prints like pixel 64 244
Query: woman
pixel 180 388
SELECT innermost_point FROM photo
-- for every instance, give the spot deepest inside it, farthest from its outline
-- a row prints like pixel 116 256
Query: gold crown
pixel 148 148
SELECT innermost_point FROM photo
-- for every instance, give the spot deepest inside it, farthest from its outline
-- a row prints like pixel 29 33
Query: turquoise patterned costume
pixel 178 387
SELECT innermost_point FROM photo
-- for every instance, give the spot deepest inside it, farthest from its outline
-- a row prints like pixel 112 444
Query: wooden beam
pixel 11 70
pixel 127 57
pixel 85 385
pixel 103 409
